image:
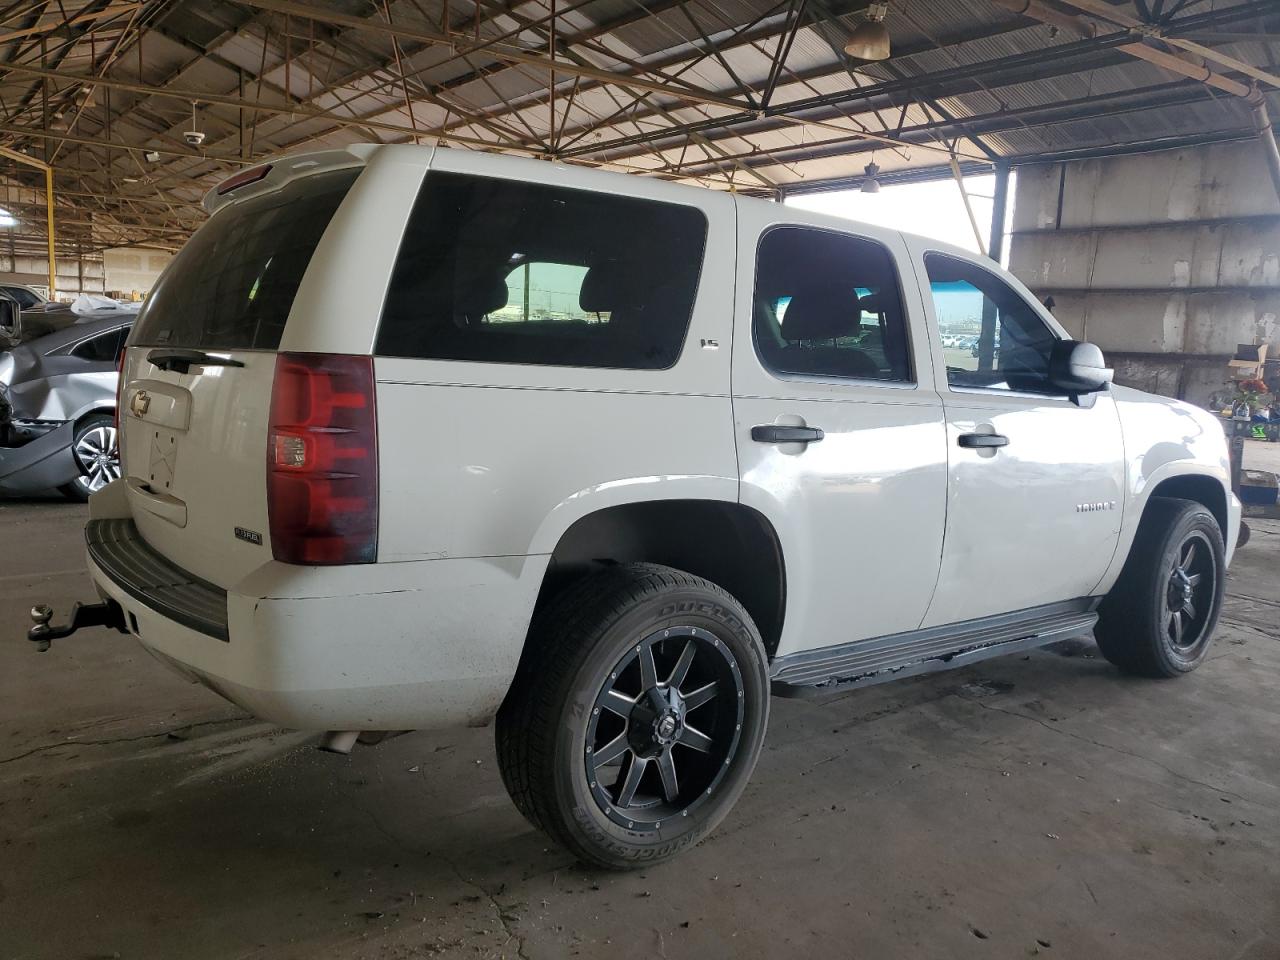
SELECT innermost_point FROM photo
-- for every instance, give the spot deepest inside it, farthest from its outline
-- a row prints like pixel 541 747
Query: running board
pixel 865 662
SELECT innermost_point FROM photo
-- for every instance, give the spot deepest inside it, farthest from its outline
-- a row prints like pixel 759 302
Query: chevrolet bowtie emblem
pixel 140 403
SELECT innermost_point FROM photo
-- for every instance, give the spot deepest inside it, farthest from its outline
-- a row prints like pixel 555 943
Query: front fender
pixel 1164 440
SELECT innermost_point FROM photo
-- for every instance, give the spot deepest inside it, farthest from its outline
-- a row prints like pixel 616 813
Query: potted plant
pixel 1251 395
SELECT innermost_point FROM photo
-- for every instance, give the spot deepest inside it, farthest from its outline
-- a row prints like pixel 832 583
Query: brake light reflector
pixel 322 460
pixel 243 178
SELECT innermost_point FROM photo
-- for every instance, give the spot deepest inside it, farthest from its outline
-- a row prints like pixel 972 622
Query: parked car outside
pixel 57 407
pixel 26 297
pixel 606 460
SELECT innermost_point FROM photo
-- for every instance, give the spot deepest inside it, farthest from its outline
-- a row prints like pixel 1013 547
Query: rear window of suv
pixel 232 286
pixel 509 272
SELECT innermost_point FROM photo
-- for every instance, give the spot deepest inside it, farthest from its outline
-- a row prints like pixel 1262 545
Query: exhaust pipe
pixel 341 741
pixel 338 741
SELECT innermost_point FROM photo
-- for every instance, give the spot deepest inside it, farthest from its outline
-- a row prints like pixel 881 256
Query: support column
pixel 995 249
pixel 1266 139
pixel 999 206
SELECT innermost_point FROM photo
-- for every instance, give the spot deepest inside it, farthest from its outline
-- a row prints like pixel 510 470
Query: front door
pixel 1036 488
pixel 840 433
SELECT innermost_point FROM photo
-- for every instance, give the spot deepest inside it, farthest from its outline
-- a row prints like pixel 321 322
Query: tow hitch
pixel 105 614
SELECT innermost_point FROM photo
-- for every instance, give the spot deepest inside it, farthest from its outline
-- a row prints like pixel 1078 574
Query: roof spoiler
pixel 274 174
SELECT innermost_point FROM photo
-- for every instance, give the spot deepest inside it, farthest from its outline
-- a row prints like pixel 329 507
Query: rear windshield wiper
pixel 181 361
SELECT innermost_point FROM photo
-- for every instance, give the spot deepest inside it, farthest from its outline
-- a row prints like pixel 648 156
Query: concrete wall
pixel 74 275
pixel 1166 260
pixel 134 269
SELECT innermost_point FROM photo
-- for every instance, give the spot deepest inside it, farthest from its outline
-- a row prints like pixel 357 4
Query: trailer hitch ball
pixel 41 614
pixel 108 613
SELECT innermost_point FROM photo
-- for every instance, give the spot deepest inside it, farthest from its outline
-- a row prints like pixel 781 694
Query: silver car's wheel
pixel 97 455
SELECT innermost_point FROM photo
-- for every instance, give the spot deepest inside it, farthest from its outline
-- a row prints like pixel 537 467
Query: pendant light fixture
pixel 870 39
pixel 869 182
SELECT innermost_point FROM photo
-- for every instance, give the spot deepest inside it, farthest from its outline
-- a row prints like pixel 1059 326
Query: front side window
pixel 828 305
pixel 991 337
pixel 501 271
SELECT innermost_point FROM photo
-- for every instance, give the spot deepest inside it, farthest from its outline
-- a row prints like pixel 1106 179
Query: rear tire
pixel 652 670
pixel 96 450
pixel 1158 620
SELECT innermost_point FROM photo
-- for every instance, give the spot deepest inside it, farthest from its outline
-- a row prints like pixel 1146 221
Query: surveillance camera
pixel 194 137
pixel 151 156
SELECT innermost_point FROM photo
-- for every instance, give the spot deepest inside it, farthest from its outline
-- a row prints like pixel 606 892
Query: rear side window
pixel 507 272
pixel 104 348
pixel 829 305
pixel 232 286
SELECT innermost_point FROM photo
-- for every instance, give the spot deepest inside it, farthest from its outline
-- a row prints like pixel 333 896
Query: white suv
pixel 416 438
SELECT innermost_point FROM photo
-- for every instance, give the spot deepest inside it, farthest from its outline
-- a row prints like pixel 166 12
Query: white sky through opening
pixel 932 209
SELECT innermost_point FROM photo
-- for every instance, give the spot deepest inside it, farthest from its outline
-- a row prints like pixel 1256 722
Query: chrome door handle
pixel 778 433
pixel 983 440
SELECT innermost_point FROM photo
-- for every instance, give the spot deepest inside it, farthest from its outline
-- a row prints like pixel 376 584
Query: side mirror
pixel 1077 367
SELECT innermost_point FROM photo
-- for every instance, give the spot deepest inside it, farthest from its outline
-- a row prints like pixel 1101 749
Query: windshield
pixel 232 286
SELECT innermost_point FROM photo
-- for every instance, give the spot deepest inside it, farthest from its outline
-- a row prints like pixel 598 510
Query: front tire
pixel 96 451
pixel 636 716
pixel 1158 620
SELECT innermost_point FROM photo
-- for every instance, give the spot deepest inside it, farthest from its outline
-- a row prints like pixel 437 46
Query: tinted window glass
pixel 829 305
pixel 991 336
pixel 232 285
pixel 25 298
pixel 508 272
pixel 102 348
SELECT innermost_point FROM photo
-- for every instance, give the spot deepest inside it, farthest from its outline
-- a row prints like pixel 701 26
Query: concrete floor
pixel 1035 805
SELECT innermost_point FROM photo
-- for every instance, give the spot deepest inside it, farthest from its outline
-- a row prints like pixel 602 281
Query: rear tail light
pixel 322 460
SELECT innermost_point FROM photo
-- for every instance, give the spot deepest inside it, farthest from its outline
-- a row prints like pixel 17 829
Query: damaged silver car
pixel 58 378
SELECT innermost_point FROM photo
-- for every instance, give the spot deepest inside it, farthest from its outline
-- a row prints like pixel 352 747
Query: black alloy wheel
pixel 1189 599
pixel 664 728
pixel 1159 617
pixel 636 715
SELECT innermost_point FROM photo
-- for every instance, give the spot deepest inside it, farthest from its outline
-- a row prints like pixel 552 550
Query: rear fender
pixel 626 491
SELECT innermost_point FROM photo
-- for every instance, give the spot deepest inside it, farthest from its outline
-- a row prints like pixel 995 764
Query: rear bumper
pixel 118 550
pixel 424 645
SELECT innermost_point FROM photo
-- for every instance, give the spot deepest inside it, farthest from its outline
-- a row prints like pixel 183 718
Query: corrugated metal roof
pixel 965 73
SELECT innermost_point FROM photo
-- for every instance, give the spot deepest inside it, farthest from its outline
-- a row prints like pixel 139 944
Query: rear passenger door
pixel 548 348
pixel 841 441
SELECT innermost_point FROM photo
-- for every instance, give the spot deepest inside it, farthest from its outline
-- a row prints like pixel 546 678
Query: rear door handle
pixel 982 440
pixel 777 433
